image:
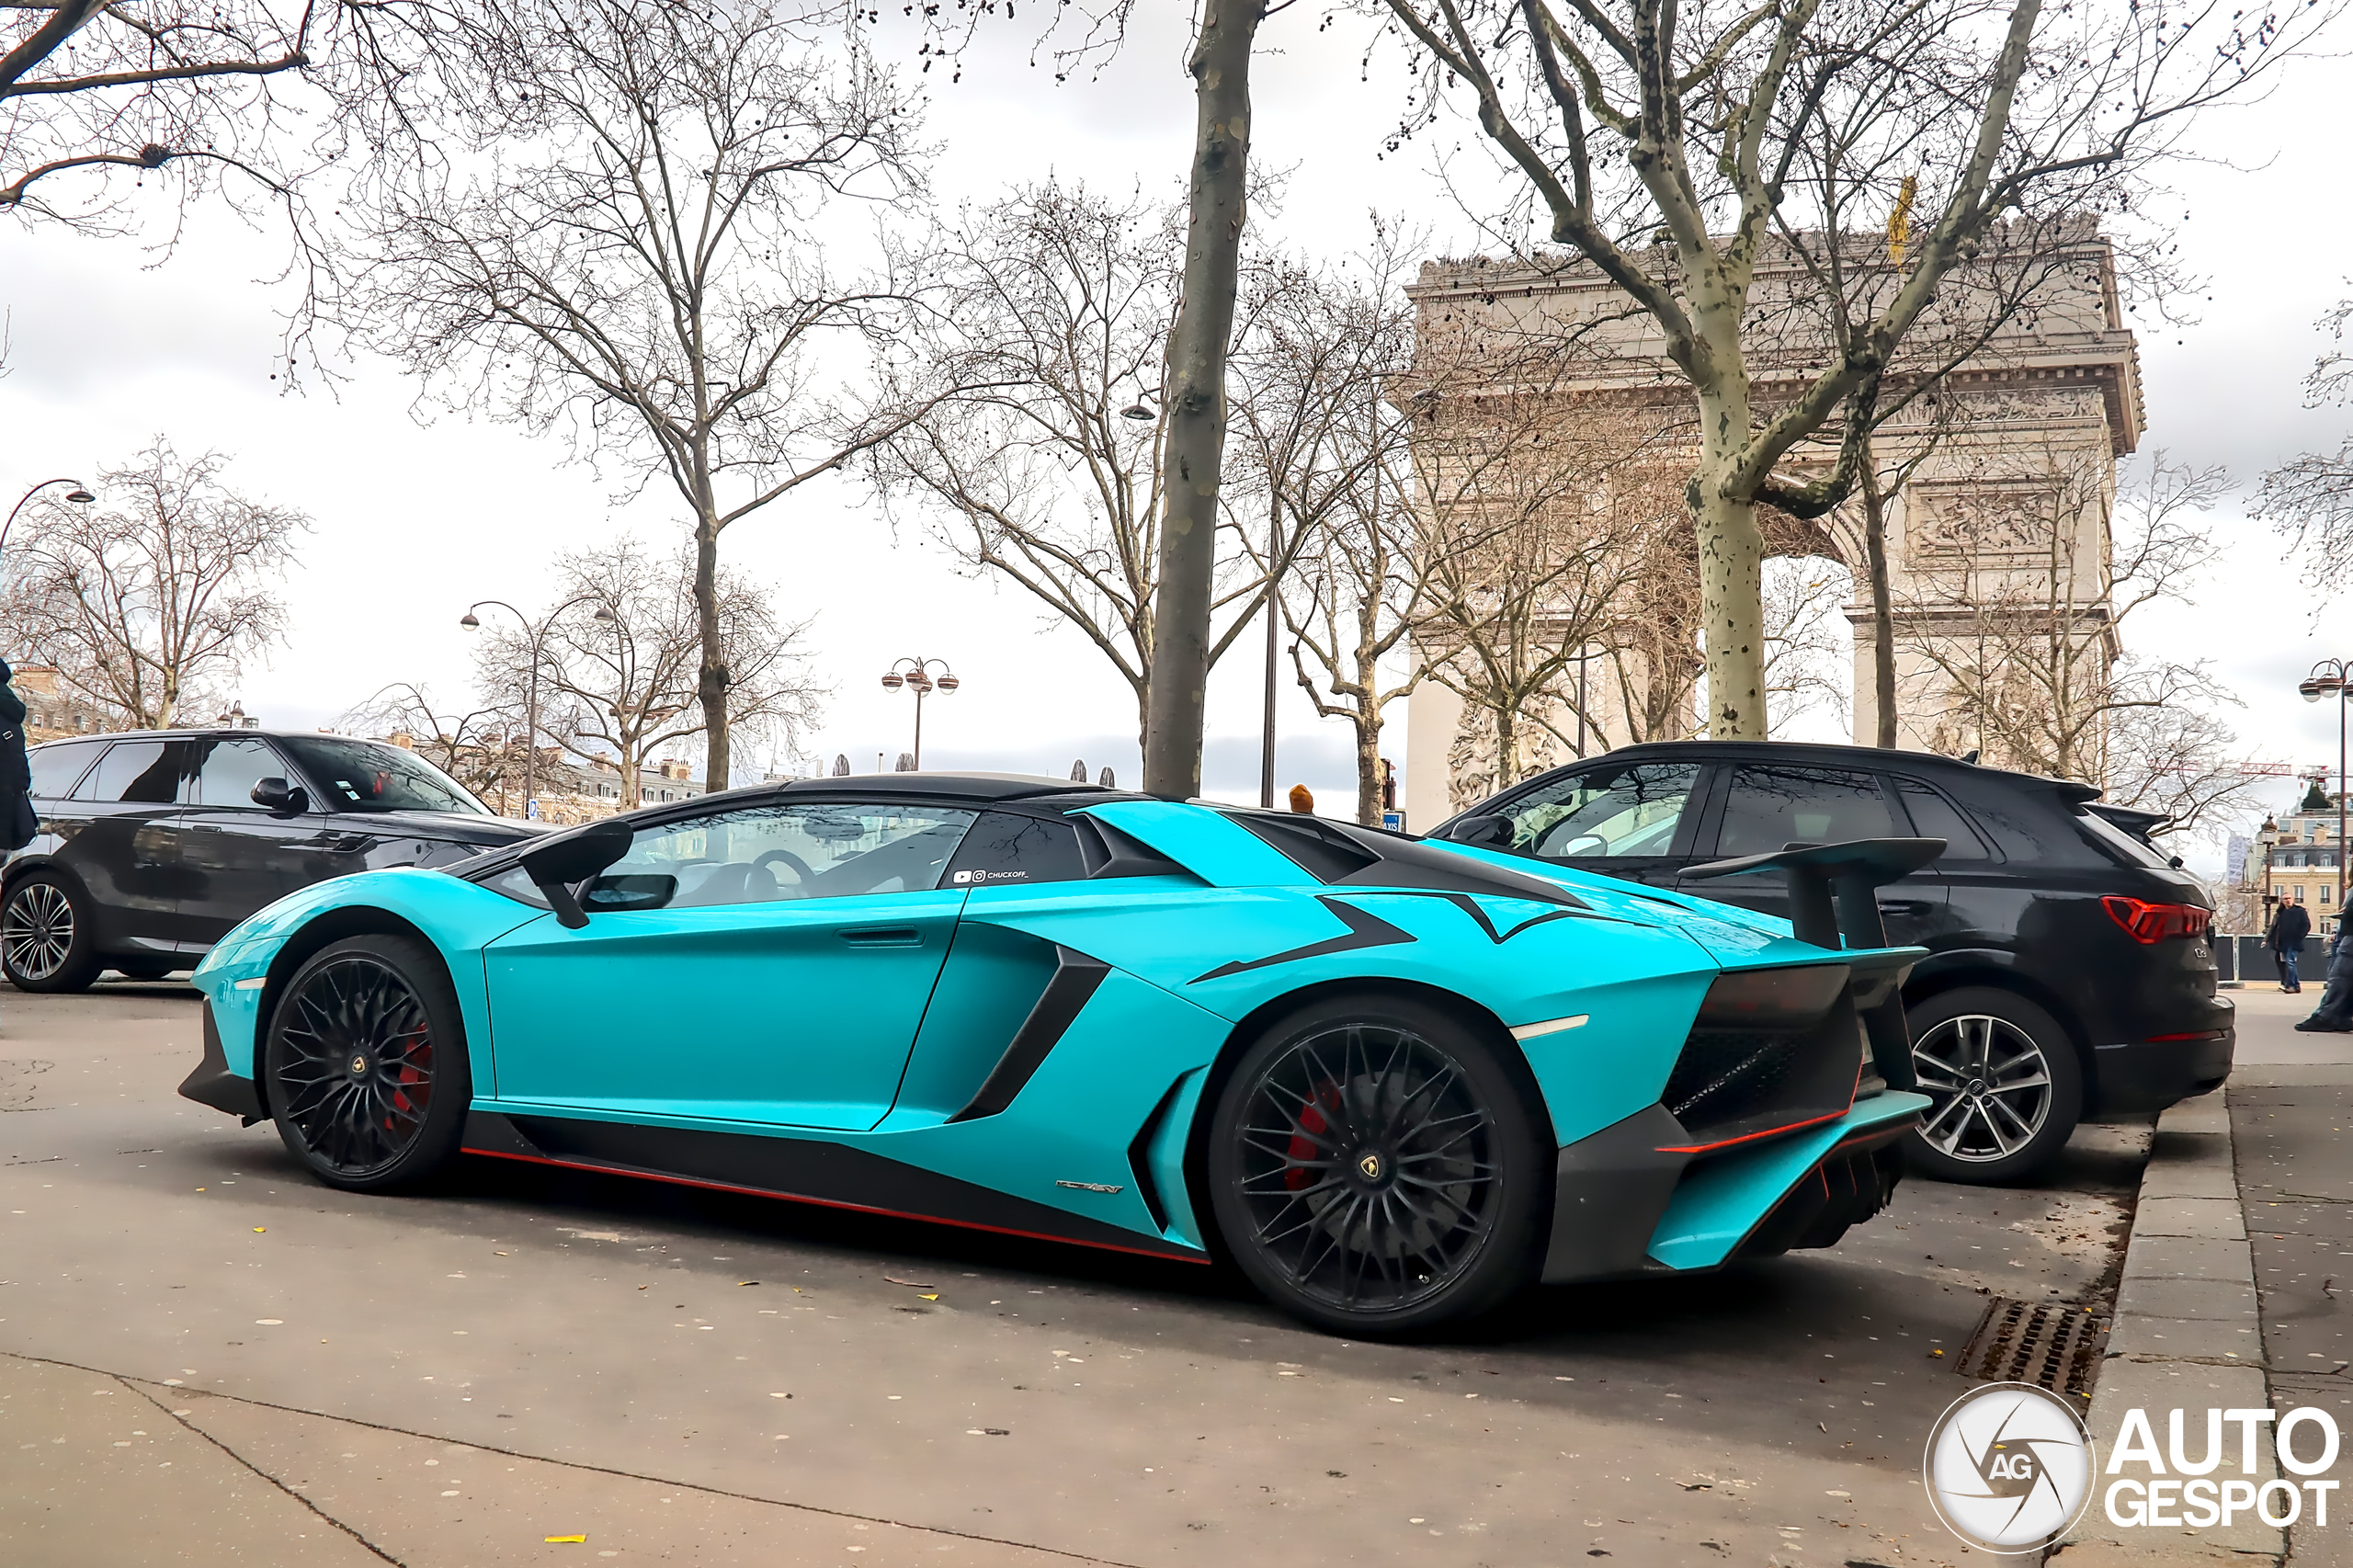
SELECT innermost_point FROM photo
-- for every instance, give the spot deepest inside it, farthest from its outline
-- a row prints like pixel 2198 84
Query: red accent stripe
pixel 828 1203
pixel 2193 1034
pixel 1752 1137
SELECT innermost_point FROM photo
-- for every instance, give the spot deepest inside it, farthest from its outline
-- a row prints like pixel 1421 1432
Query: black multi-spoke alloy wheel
pixel 1377 1171
pixel 46 943
pixel 2007 1084
pixel 368 1073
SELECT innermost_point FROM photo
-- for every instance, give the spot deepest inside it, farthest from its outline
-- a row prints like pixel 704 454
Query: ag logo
pixel 2009 1467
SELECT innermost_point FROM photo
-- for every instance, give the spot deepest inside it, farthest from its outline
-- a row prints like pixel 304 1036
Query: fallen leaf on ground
pixel 931 1295
pixel 563 1538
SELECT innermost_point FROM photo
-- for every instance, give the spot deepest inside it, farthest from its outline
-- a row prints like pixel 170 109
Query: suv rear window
pixel 2119 844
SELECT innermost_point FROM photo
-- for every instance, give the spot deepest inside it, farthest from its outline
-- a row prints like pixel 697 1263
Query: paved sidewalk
pixel 2231 1292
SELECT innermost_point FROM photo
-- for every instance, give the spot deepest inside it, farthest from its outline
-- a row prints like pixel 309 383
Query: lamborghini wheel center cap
pixel 1371 1166
pixel 358 1065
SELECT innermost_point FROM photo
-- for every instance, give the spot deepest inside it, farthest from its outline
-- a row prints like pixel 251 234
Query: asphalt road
pixel 207 1358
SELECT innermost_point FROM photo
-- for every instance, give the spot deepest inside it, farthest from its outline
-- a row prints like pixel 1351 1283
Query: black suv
pixel 2068 975
pixel 153 843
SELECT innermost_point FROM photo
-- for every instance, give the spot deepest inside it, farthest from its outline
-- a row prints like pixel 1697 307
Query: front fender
pixel 457 918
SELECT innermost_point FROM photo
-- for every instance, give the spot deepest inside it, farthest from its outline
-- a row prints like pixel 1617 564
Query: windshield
pixel 365 776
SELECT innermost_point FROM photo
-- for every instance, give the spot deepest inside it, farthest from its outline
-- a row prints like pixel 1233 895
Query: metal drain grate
pixel 2049 1344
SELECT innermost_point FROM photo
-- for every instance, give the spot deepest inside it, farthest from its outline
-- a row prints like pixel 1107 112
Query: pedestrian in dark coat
pixel 2334 1014
pixel 2289 929
pixel 17 822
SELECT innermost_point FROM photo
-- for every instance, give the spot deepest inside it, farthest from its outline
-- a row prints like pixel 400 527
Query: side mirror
pixel 1487 833
pixel 620 895
pixel 278 795
pixel 554 867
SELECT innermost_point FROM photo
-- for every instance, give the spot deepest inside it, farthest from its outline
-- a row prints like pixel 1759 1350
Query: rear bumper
pixel 2148 1076
pixel 213 1084
pixel 1625 1204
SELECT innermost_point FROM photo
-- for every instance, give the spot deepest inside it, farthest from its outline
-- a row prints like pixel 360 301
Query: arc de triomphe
pixel 2017 461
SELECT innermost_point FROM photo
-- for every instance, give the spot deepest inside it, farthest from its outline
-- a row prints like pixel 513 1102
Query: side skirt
pixel 797 1170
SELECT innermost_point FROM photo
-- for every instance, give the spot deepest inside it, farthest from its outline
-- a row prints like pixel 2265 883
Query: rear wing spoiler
pixel 1834 903
pixel 1850 873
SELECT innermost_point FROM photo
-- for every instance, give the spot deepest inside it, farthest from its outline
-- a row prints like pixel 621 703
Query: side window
pixel 1770 808
pixel 149 772
pixel 1612 813
pixel 1002 848
pixel 228 770
pixel 768 854
pixel 56 767
pixel 1933 817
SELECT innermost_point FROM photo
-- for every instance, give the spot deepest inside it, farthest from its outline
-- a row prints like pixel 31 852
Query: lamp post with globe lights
pixel 2334 677
pixel 915 675
pixel 80 495
pixel 538 635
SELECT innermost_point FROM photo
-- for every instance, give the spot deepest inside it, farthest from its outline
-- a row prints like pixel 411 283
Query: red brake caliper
pixel 1311 1121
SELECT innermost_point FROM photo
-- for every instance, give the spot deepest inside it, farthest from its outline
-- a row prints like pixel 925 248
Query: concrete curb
pixel 2185 1334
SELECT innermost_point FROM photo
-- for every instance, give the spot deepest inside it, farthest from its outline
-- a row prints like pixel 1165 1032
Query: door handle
pixel 883 936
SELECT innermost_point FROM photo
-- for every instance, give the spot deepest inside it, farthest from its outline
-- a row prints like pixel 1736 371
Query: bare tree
pixel 1326 468
pixel 154 598
pixel 1047 466
pixel 2022 607
pixel 2310 498
pixel 1531 536
pixel 1184 641
pixel 1750 158
pixel 630 253
pixel 620 691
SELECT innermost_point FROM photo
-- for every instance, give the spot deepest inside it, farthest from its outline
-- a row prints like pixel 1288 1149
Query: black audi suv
pixel 2068 977
pixel 153 843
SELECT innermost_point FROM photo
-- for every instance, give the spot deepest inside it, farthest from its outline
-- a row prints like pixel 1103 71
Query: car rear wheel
pixel 368 1078
pixel 45 937
pixel 1376 1170
pixel 2007 1087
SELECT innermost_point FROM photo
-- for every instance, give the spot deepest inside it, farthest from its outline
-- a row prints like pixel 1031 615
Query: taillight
pixel 2149 922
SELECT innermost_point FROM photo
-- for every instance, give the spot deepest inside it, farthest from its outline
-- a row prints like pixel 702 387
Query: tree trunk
pixel 1196 395
pixel 1882 606
pixel 711 682
pixel 1507 744
pixel 1731 576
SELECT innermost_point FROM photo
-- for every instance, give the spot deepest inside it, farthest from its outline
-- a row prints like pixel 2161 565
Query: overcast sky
pixel 109 344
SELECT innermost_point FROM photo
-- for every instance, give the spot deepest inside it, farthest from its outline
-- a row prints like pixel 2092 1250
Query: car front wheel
pixel 368 1079
pixel 1376 1170
pixel 2006 1083
pixel 45 937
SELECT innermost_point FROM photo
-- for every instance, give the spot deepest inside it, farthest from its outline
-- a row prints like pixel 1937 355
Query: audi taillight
pixel 2149 922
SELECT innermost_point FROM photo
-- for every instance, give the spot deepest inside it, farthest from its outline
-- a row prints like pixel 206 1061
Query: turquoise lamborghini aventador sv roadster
pixel 1392 1081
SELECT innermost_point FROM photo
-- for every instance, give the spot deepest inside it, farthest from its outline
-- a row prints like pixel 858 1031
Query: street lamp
pixel 79 495
pixel 2334 677
pixel 917 678
pixel 531 685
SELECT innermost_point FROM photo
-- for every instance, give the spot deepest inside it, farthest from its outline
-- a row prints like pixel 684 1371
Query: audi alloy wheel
pixel 2005 1082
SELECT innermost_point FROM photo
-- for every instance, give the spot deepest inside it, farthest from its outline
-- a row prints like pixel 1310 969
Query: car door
pixel 769 963
pixel 124 848
pixel 235 856
pixel 1770 806
pixel 1632 820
